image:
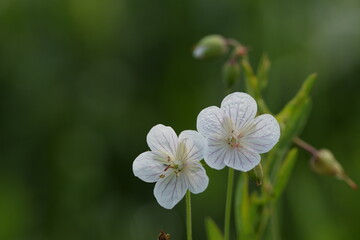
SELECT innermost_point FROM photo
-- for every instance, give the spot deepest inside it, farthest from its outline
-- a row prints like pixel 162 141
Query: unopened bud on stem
pixel 210 46
pixel 324 162
pixel 257 174
pixel 231 73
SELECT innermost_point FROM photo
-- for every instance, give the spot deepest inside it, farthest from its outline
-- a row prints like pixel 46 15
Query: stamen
pixel 234 142
pixel 169 166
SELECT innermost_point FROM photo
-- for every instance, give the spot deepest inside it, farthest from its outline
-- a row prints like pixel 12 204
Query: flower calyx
pixel 324 163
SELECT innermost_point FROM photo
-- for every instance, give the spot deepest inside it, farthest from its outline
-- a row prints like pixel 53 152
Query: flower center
pixel 234 140
pixel 175 164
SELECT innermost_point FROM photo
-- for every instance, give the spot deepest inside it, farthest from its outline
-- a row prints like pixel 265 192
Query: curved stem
pixel 228 204
pixel 188 216
pixel 233 42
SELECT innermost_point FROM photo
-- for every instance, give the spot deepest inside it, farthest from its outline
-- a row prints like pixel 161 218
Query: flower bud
pixel 210 46
pixel 231 73
pixel 325 163
pixel 257 174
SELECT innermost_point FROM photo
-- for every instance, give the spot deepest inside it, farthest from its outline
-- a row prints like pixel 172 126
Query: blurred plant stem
pixel 305 145
pixel 265 215
pixel 228 204
pixel 275 227
pixel 188 216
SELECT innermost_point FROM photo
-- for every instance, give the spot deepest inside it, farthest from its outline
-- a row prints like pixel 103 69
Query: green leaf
pixel 294 123
pixel 289 130
pixel 284 173
pixel 244 210
pixel 212 230
pixel 263 71
pixel 301 96
pixel 292 119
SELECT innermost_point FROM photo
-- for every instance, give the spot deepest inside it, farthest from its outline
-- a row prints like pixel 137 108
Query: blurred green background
pixel 83 81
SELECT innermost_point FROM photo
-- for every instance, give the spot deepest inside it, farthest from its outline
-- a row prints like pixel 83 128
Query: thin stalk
pixel 188 216
pixel 233 42
pixel 228 204
pixel 306 146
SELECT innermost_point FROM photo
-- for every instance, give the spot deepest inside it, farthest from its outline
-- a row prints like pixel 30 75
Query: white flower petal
pixel 170 190
pixel 196 178
pixel 264 135
pixel 162 140
pixel 148 167
pixel 240 107
pixel 242 160
pixel 195 145
pixel 210 122
pixel 216 152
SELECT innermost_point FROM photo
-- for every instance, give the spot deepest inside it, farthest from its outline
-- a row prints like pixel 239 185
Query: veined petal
pixel 242 160
pixel 162 140
pixel 148 167
pixel 196 178
pixel 264 135
pixel 170 190
pixel 240 107
pixel 210 122
pixel 216 152
pixel 195 145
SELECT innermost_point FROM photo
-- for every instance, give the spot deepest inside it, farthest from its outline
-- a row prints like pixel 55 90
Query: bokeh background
pixel 83 81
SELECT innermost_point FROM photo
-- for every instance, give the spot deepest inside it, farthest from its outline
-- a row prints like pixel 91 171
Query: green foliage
pixel 254 209
pixel 253 86
pixel 212 230
pixel 251 80
pixel 277 171
pixel 298 100
pixel 244 210
pixel 262 73
pixel 82 81
pixel 292 120
pixel 284 173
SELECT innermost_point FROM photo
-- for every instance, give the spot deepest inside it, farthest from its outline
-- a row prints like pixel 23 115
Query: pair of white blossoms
pixel 227 136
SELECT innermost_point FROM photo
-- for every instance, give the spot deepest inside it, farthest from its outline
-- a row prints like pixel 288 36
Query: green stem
pixel 188 216
pixel 228 204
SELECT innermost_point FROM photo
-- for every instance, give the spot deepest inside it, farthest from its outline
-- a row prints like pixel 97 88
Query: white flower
pixel 173 163
pixel 235 137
